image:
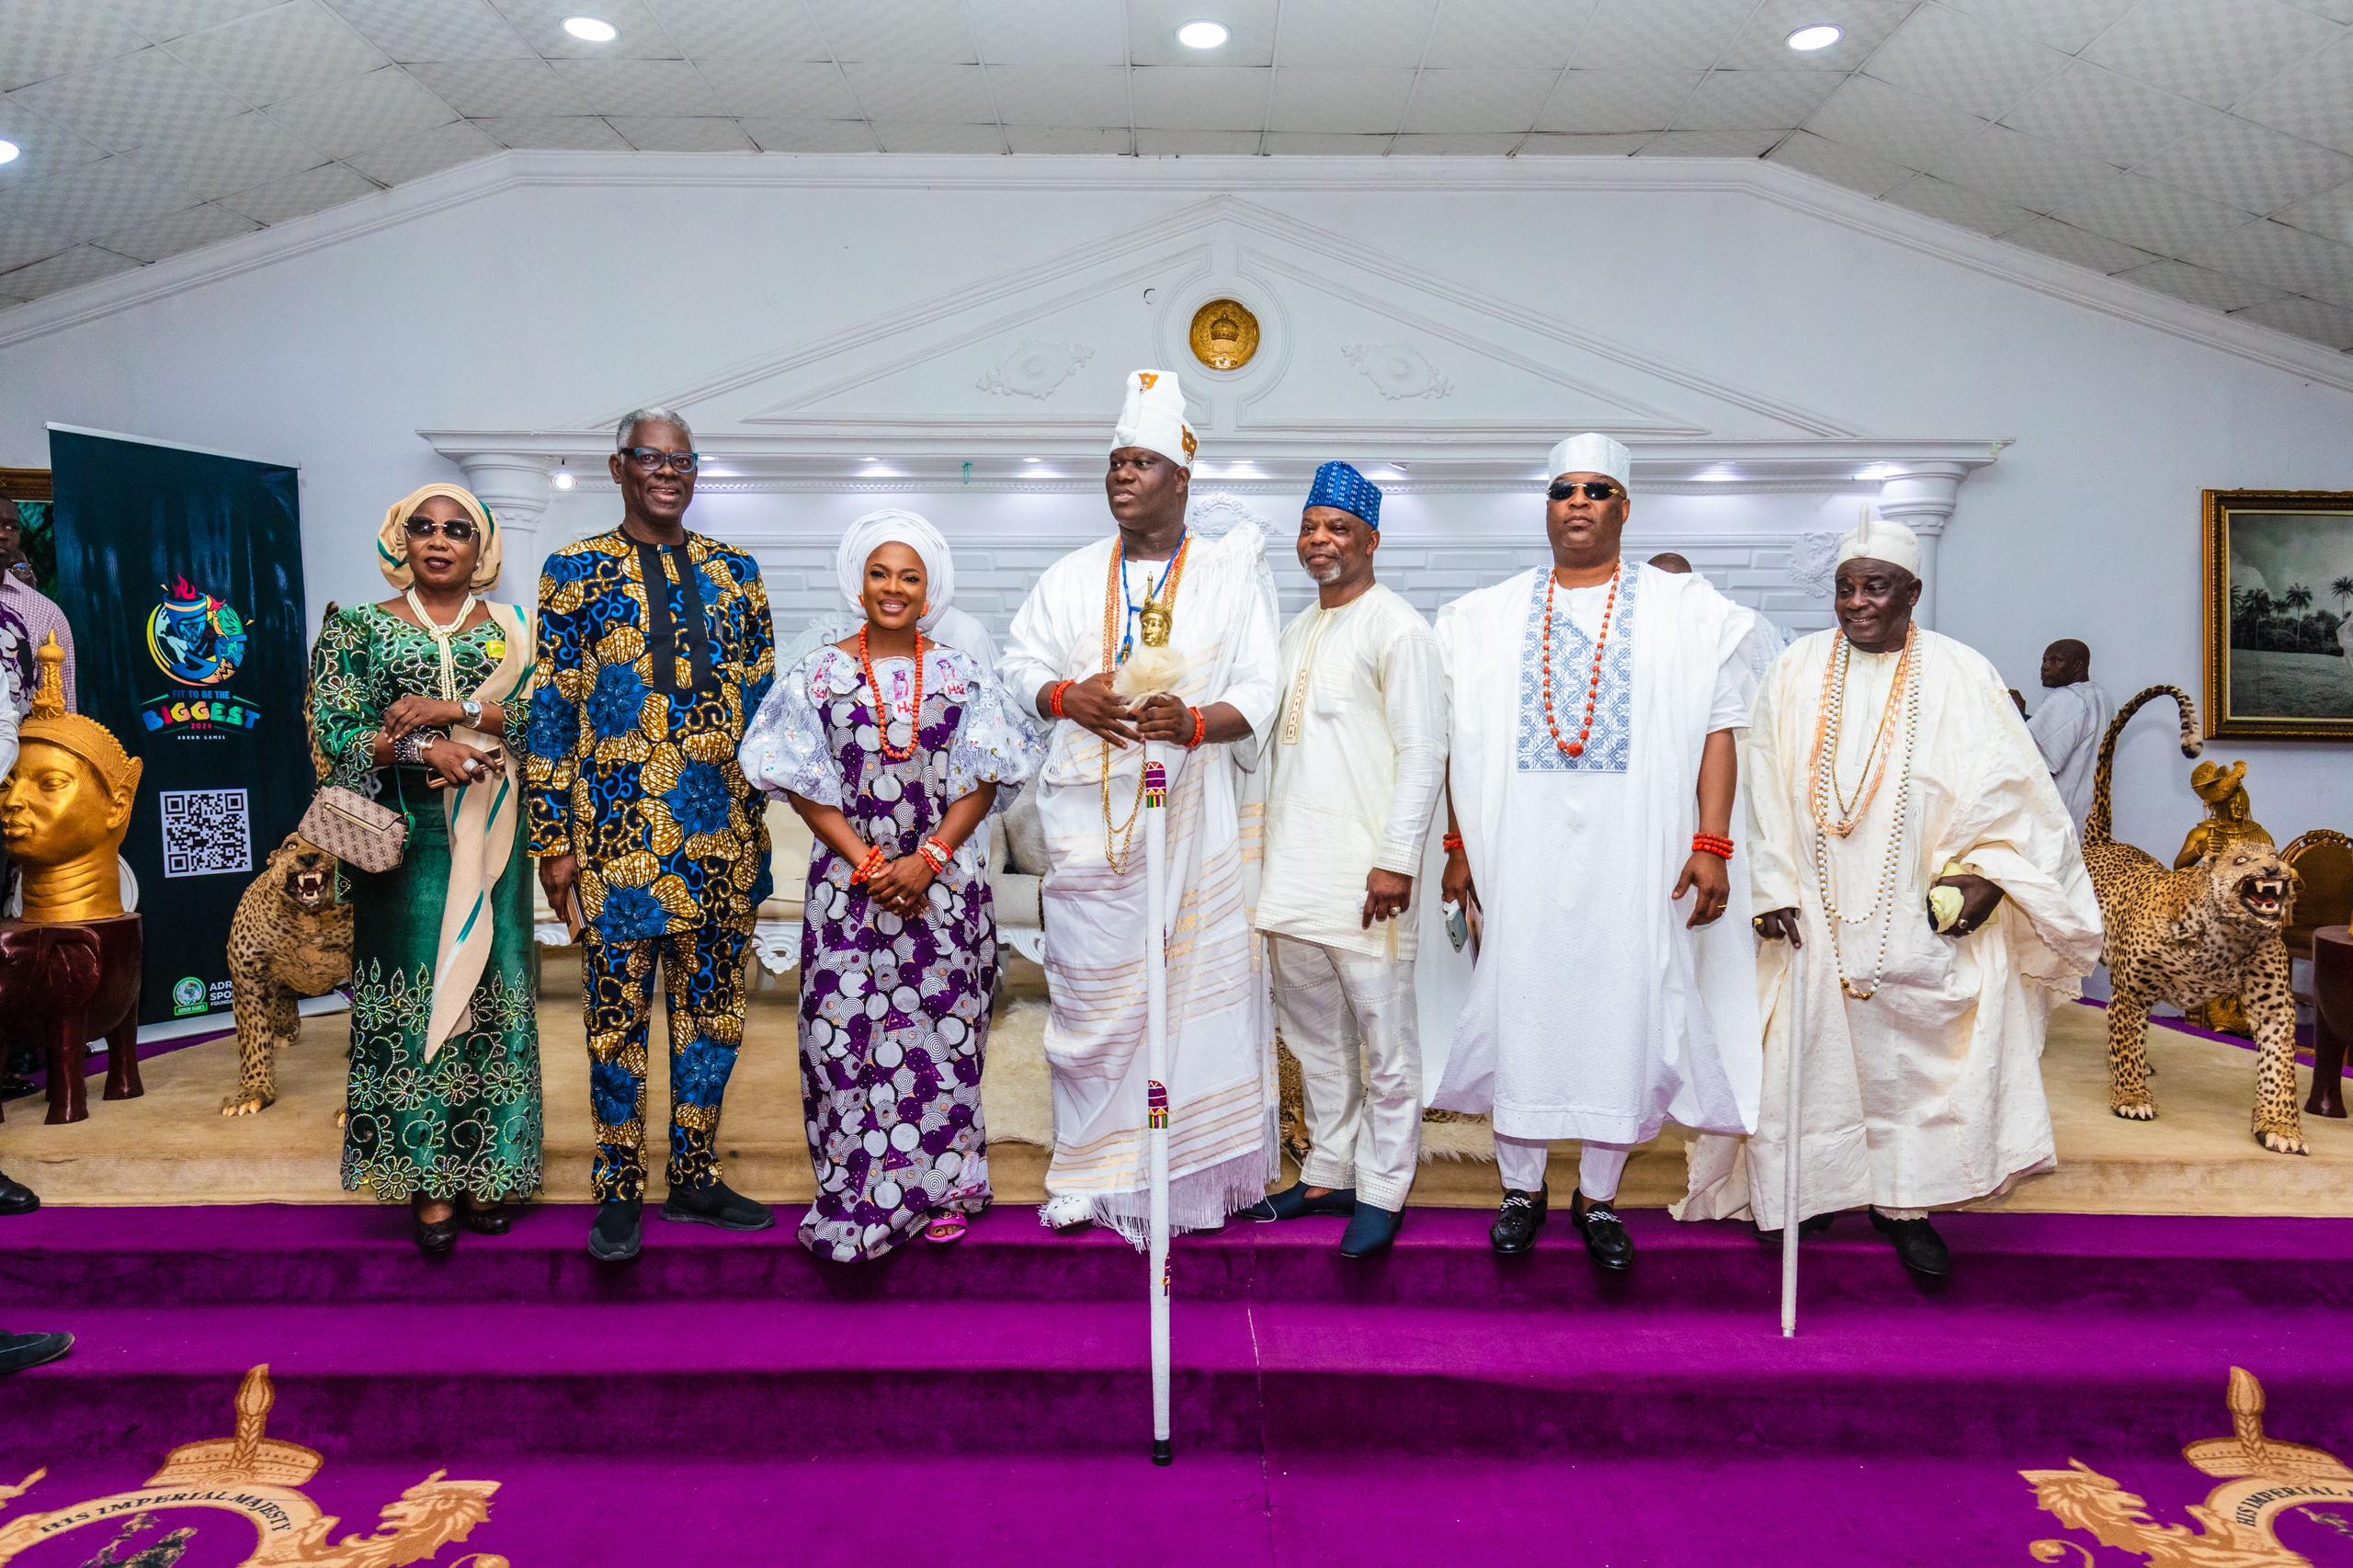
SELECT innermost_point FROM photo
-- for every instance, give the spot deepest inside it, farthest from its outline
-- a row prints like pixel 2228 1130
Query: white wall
pixel 535 306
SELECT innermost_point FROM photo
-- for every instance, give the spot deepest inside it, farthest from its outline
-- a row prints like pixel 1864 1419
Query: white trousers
pixel 1349 1020
pixel 1520 1163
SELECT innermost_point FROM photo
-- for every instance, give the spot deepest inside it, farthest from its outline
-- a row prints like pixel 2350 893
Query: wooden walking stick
pixel 1155 1059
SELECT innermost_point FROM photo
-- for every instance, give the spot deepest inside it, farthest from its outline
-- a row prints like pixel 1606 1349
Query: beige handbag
pixel 354 830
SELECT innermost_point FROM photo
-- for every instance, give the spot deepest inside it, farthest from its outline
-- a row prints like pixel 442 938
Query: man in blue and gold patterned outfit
pixel 654 649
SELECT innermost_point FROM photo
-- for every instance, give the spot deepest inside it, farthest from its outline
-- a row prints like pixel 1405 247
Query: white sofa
pixel 1017 840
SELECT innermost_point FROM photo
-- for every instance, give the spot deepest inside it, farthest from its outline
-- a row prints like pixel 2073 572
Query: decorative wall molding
pixel 1397 371
pixel 1214 517
pixel 1035 370
pixel 673 172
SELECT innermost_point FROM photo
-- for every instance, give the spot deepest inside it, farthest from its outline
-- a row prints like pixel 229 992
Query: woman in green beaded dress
pixel 410 700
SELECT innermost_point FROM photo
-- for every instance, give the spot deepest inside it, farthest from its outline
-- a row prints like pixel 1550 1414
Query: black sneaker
pixel 716 1204
pixel 1517 1221
pixel 1605 1233
pixel 1917 1245
pixel 18 1351
pixel 617 1234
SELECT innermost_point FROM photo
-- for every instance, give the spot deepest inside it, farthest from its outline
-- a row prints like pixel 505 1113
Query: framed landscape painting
pixel 2279 614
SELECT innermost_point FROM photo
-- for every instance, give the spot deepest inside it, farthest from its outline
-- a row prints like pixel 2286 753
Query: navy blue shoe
pixel 1292 1203
pixel 1371 1229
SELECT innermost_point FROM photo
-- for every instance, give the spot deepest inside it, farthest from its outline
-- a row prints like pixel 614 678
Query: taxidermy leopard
pixel 2209 930
pixel 288 940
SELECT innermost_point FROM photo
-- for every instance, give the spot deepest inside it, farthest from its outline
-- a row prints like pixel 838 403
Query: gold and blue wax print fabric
pixel 652 657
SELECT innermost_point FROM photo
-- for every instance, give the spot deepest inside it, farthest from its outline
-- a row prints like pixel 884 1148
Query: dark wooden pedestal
pixel 2331 1018
pixel 62 986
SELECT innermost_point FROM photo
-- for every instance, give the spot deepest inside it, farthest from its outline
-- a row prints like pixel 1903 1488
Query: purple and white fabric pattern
pixel 894 1014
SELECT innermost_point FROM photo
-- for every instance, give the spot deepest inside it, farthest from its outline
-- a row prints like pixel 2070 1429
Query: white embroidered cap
pixel 1593 453
pixel 1153 417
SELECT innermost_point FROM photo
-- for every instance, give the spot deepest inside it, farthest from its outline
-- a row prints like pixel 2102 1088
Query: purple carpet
pixel 730 1400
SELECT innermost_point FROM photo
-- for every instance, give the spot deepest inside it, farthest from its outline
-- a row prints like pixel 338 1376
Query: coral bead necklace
pixel 1593 677
pixel 882 704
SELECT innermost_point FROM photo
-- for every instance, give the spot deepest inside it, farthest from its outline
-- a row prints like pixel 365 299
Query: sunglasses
pixel 1562 490
pixel 456 530
pixel 646 460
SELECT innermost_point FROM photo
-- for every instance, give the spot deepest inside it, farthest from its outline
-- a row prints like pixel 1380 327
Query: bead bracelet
pixel 1709 844
pixel 1450 843
pixel 936 855
pixel 1055 701
pixel 1201 729
pixel 870 867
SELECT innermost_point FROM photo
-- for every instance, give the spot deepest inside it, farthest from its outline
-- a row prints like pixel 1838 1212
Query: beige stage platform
pixel 174 1147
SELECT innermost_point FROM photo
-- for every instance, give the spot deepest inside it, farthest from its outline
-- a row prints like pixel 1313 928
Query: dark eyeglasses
pixel 456 530
pixel 646 460
pixel 1594 490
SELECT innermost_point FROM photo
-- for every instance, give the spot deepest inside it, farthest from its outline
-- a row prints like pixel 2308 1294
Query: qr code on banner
pixel 206 832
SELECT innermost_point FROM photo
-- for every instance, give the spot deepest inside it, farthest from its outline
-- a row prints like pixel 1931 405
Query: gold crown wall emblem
pixel 1224 334
pixel 86 738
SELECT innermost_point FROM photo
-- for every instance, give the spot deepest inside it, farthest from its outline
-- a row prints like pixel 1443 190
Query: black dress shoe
pixel 489 1219
pixel 1371 1230
pixel 1292 1203
pixel 1812 1225
pixel 15 1198
pixel 434 1237
pixel 716 1204
pixel 1917 1245
pixel 18 1351
pixel 617 1234
pixel 1517 1221
pixel 1605 1233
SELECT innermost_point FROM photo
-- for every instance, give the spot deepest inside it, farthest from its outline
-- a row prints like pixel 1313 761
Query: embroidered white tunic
pixel 1358 762
pixel 1931 1093
pixel 1221 1047
pixel 1592 1011
pixel 2067 730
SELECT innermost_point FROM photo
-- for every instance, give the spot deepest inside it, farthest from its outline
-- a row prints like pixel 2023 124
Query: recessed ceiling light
pixel 1033 460
pixel 1202 35
pixel 564 480
pixel 1822 34
pixel 9 150
pixel 591 30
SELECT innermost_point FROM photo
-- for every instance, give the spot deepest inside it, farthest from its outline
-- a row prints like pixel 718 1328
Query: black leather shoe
pixel 1371 1230
pixel 489 1219
pixel 716 1204
pixel 617 1234
pixel 1517 1221
pixel 1917 1245
pixel 1292 1203
pixel 1812 1225
pixel 434 1237
pixel 1605 1233
pixel 18 1351
pixel 15 1198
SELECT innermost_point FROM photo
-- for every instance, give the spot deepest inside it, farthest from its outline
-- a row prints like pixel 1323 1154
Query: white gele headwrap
pixel 1876 539
pixel 1593 453
pixel 890 525
pixel 1153 417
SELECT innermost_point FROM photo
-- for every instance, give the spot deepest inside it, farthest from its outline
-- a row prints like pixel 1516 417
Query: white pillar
pixel 515 488
pixel 1922 495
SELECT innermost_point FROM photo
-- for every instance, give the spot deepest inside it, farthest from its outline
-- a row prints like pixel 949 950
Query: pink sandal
pixel 945 1228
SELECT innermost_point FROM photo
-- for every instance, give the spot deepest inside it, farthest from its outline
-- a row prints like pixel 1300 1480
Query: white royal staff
pixel 1155 1059
pixel 1790 1086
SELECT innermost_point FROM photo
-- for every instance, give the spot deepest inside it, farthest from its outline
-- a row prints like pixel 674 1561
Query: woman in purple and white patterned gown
pixel 898 946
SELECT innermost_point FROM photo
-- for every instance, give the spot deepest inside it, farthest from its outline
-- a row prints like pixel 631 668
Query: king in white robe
pixel 1929 1094
pixel 1592 1011
pixel 1220 1044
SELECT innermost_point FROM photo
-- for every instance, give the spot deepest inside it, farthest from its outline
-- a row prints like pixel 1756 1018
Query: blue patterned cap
pixel 1337 484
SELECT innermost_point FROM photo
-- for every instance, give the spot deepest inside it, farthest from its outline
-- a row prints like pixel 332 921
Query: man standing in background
pixel 2073 719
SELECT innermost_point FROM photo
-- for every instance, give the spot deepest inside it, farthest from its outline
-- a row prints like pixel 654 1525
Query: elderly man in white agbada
pixel 1917 873
pixel 1592 791
pixel 1357 761
pixel 1202 611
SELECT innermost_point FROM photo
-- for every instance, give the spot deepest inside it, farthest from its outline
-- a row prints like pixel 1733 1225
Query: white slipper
pixel 1067 1210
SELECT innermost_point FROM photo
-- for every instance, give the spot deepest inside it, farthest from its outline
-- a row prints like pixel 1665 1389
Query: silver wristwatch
pixel 473 711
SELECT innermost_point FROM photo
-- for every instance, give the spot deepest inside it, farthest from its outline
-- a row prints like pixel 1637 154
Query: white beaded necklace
pixel 441 635
pixel 1826 764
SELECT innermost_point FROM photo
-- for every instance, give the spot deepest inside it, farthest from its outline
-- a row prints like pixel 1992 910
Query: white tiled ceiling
pixel 2200 148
